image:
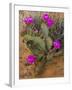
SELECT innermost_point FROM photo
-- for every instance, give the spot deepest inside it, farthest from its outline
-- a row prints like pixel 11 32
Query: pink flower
pixel 28 20
pixel 31 59
pixel 57 44
pixel 45 17
pixel 50 22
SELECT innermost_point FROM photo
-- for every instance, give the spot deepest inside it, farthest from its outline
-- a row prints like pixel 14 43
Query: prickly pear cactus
pixel 44 37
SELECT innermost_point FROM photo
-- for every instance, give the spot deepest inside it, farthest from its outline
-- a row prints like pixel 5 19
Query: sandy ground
pixel 53 69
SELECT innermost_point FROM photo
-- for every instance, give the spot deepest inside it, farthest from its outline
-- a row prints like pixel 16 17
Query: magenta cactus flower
pixel 28 20
pixel 31 59
pixel 50 22
pixel 57 44
pixel 45 17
